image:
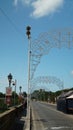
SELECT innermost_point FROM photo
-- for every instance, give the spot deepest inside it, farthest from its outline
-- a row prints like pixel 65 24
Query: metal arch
pixel 46 41
pixel 46 80
pixel 52 39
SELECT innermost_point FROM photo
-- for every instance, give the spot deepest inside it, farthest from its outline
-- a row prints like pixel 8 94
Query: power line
pixel 10 21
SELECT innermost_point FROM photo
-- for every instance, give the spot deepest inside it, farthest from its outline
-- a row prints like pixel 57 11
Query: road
pixel 46 117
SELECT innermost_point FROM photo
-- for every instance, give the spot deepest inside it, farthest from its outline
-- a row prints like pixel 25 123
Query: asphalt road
pixel 46 117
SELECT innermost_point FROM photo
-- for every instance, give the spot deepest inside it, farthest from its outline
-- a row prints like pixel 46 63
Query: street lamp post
pixel 14 84
pixel 10 79
pixel 20 94
pixel 20 89
pixel 29 56
pixel 9 90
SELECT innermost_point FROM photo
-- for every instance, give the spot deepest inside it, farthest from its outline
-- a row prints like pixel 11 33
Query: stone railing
pixel 7 118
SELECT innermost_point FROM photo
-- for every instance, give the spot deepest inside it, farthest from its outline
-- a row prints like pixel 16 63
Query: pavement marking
pixel 61 127
pixel 46 128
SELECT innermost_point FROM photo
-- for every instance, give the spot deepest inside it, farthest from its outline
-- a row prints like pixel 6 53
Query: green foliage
pixel 2 95
pixel 52 97
pixel 3 106
pixel 47 96
pixel 24 94
pixel 14 94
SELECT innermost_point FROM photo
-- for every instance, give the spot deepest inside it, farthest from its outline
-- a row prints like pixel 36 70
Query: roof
pixel 66 94
pixel 70 97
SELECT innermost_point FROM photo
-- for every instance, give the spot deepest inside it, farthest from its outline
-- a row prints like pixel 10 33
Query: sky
pixel 47 19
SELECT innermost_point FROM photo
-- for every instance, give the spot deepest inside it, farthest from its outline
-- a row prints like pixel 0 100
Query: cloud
pixel 45 7
pixel 27 1
pixel 22 1
pixel 72 72
pixel 15 2
pixel 41 7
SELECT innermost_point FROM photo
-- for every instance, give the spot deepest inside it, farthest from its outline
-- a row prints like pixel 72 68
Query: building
pixel 65 102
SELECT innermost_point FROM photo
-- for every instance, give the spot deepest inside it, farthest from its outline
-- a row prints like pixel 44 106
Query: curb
pixel 27 121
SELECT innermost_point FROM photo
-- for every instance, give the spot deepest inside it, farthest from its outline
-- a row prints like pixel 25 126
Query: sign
pixel 8 100
pixel 8 91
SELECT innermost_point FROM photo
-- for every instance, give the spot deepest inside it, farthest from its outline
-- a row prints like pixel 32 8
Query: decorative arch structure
pixel 47 41
pixel 46 80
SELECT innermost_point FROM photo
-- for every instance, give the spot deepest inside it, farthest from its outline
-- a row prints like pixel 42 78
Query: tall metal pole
pixel 14 92
pixel 29 56
pixel 14 84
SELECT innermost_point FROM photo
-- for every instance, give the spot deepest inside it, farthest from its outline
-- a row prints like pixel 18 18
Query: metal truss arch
pixel 46 41
pixel 46 80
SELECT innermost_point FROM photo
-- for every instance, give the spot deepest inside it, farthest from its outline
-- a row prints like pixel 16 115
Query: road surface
pixel 46 117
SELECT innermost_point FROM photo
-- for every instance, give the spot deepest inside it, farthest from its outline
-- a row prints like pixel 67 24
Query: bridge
pixel 15 118
pixel 38 48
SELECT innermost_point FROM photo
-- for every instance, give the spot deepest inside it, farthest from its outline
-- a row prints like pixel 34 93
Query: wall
pixel 7 118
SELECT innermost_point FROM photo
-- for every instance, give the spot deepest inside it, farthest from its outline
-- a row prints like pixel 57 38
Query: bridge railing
pixel 7 118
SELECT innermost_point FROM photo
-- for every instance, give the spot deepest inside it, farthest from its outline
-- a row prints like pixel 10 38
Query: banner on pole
pixel 8 91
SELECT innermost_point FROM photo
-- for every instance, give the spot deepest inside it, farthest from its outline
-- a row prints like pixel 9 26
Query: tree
pixel 2 95
pixel 24 94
